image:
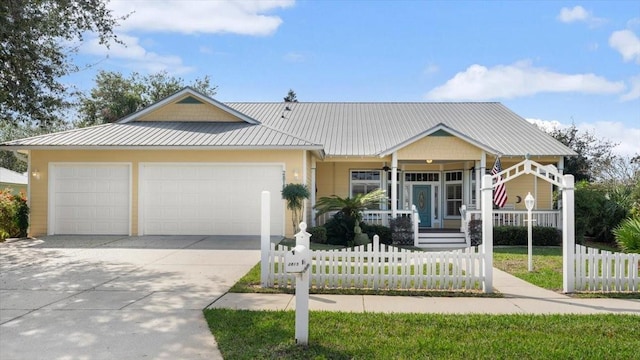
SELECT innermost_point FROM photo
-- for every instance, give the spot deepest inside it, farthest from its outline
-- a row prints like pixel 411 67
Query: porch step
pixel 442 240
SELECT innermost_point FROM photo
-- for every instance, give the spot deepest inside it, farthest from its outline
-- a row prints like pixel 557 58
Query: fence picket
pixel 599 270
pixel 378 266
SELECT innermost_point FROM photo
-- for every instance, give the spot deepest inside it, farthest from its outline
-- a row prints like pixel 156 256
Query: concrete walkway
pixel 520 297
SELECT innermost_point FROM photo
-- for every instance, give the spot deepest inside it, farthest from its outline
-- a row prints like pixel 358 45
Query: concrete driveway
pixel 105 297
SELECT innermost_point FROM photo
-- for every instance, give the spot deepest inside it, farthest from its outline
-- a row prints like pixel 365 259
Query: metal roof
pixel 168 134
pixel 340 129
pixel 373 129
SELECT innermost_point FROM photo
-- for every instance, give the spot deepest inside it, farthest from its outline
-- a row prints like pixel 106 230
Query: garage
pixel 90 199
pixel 207 199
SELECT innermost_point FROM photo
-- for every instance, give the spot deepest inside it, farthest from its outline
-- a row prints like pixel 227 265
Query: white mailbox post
pixel 297 261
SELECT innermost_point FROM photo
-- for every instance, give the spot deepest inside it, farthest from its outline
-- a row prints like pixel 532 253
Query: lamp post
pixel 529 202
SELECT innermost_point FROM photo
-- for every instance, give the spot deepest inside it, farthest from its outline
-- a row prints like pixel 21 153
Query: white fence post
pixel 265 238
pixel 487 233
pixel 302 290
pixel 568 235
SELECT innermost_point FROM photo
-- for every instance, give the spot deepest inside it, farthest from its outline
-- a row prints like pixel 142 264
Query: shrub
pixel 14 215
pixel 340 229
pixel 318 234
pixel 516 235
pixel 475 232
pixel 382 231
pixel 628 235
pixel 402 231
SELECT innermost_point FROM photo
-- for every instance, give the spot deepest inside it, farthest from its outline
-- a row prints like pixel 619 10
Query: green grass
pixel 547 265
pixel 242 334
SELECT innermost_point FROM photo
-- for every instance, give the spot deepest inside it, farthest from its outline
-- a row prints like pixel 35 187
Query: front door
pixel 422 201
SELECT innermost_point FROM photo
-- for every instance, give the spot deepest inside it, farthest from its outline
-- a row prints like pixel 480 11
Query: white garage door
pixel 208 199
pixel 90 199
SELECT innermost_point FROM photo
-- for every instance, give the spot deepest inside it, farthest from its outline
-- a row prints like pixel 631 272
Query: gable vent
pixel 189 100
pixel 440 133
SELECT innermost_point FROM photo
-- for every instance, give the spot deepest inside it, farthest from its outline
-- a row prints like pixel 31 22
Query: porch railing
pixel 551 218
pixel 371 217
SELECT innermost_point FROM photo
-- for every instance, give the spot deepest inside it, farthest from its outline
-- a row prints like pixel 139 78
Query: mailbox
pixel 296 260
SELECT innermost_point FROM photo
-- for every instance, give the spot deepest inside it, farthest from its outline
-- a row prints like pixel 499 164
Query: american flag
pixel 500 192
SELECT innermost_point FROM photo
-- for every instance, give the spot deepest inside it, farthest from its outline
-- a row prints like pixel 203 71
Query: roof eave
pixel 162 147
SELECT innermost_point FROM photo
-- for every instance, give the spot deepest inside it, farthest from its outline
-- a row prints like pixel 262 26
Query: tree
pixel 115 96
pixel 595 156
pixel 35 50
pixel 295 194
pixel 12 131
pixel 291 96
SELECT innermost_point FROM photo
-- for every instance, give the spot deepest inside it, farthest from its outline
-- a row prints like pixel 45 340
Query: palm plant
pixel 350 207
pixel 628 235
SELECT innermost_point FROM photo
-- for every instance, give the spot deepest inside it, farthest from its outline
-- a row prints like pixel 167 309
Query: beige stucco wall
pixel 40 159
pixel 440 148
pixel 190 112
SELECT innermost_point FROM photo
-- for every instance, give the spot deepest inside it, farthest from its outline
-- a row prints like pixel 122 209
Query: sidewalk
pixel 520 297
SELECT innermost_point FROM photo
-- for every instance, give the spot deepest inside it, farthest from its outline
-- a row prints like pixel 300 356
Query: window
pixel 453 196
pixel 421 177
pixel 364 181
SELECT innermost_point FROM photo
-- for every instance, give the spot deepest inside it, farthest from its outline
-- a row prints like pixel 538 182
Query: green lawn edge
pixel 243 334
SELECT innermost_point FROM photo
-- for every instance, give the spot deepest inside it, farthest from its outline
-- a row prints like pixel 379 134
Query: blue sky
pixel 552 62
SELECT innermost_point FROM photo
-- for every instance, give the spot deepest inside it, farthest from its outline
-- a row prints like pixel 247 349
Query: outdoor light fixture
pixel 295 174
pixel 36 174
pixel 429 161
pixel 529 201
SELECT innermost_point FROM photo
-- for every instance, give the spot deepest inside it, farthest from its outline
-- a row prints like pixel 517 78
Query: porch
pixel 454 238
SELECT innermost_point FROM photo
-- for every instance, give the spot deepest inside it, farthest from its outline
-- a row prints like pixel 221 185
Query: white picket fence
pixel 599 270
pixel 378 266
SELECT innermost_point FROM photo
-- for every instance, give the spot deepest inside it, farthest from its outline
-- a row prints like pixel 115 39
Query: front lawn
pixel 242 334
pixel 547 265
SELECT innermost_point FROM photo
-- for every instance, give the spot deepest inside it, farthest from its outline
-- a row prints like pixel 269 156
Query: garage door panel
pixel 90 199
pixel 208 198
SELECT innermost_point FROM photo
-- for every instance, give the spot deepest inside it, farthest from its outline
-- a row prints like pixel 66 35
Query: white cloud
pixel 627 44
pixel 478 82
pixel 614 131
pixel 135 56
pixel 634 92
pixel 243 17
pixel 578 13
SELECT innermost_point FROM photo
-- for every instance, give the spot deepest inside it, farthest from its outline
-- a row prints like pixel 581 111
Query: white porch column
pixel 487 233
pixel 312 190
pixel 481 173
pixel 394 185
pixel 560 167
pixel 568 235
pixel 478 182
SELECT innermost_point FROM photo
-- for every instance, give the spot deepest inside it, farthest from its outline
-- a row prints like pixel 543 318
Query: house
pixel 189 164
pixel 14 181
